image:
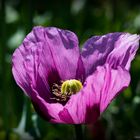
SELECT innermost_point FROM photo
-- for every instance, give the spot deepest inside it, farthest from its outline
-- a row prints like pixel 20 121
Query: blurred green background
pixel 86 18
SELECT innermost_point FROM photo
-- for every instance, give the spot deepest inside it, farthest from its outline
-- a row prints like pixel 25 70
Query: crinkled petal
pixel 117 49
pixel 48 111
pixel 25 67
pixel 51 112
pixel 99 90
pixel 46 55
pixel 61 54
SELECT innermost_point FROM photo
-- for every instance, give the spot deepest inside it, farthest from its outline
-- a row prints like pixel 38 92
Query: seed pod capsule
pixel 70 87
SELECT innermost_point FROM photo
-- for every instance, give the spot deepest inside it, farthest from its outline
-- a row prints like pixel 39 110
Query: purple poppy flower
pixel 69 85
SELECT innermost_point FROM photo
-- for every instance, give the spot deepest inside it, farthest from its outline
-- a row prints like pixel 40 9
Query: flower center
pixel 68 87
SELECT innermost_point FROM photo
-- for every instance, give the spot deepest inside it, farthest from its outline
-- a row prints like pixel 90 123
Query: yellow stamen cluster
pixel 70 87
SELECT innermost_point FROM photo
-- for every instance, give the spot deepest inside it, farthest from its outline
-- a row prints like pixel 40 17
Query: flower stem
pixel 78 132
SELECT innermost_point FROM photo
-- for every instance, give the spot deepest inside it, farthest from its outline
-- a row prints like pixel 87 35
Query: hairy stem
pixel 78 132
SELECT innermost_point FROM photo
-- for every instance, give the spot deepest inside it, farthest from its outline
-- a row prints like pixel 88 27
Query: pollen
pixel 63 92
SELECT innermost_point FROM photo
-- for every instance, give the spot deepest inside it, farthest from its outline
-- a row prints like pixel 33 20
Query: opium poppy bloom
pixel 69 85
